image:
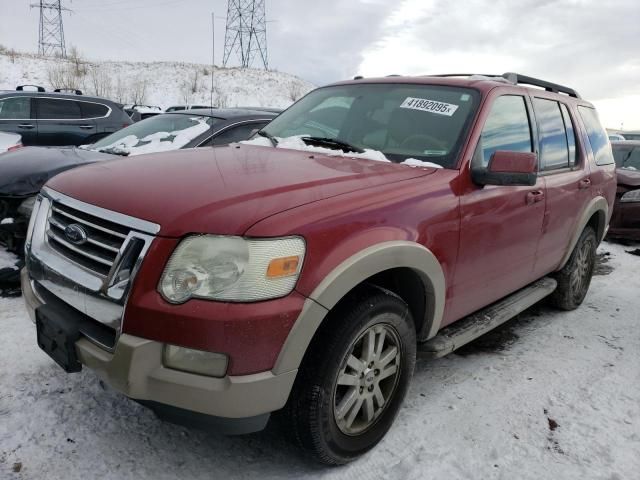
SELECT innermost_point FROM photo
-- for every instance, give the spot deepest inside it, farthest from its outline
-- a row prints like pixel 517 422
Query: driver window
pixel 507 128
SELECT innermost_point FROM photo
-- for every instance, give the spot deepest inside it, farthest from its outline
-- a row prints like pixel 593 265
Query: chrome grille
pixel 104 239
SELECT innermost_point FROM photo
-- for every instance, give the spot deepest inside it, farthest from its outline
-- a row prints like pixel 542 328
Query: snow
pixel 296 143
pixel 486 414
pixel 6 221
pixel 159 141
pixel 161 83
pixel 629 167
pixel 8 140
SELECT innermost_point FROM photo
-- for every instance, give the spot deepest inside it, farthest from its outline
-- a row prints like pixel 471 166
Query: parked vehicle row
pixel 25 171
pixel 302 272
pixel 625 223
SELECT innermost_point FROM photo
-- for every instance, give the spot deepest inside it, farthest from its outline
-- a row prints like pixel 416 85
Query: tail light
pixel 15 147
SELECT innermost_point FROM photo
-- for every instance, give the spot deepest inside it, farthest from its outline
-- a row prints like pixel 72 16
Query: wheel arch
pixel 392 265
pixel 596 214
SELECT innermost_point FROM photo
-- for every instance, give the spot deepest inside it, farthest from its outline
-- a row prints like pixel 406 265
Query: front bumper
pixel 241 403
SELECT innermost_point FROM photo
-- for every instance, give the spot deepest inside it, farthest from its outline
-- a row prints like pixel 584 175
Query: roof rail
pixel 519 79
pixel 71 90
pixel 20 88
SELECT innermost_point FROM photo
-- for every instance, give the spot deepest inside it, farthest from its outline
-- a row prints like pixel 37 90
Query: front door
pixel 16 117
pixel 500 225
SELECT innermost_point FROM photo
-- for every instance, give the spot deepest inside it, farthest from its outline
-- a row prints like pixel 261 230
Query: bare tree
pixel 295 91
pixel 100 81
pixel 139 91
pixel 120 90
pixel 78 61
pixel 63 75
pixel 12 53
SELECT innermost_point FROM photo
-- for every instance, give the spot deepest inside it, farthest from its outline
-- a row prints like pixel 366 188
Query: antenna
pixel 213 52
pixel 246 33
pixel 51 32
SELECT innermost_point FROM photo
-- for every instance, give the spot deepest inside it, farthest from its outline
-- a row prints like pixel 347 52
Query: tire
pixel 331 384
pixel 575 277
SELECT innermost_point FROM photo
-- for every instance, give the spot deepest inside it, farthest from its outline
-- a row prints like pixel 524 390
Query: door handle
pixel 26 126
pixel 584 183
pixel 535 197
pixel 87 127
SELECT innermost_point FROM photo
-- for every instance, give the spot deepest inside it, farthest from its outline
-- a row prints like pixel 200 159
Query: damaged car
pixel 25 171
pixel 625 222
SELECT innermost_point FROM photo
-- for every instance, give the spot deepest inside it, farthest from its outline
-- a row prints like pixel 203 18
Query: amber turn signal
pixel 283 267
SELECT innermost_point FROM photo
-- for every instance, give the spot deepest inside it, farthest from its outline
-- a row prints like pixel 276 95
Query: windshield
pixel 418 122
pixel 627 157
pixel 155 134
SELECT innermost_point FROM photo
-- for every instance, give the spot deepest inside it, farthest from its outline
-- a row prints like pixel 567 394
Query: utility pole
pixel 246 34
pixel 51 34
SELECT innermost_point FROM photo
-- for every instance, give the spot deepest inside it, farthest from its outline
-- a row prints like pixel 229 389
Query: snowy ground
pixel 551 396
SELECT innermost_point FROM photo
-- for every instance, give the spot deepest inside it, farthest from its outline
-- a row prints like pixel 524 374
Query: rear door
pixel 500 225
pixel 60 122
pixel 564 166
pixel 16 117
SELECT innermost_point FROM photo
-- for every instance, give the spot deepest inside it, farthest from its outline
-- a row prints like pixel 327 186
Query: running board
pixel 467 329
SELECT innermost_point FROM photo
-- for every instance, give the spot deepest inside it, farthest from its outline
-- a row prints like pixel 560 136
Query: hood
pixel 24 171
pixel 629 178
pixel 223 190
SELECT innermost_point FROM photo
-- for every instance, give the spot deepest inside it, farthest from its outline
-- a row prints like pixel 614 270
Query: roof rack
pixel 70 90
pixel 20 88
pixel 519 79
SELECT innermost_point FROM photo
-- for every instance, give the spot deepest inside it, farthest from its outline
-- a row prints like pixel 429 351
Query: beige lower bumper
pixel 135 369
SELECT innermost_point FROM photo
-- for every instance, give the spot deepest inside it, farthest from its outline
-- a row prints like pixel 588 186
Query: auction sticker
pixel 432 106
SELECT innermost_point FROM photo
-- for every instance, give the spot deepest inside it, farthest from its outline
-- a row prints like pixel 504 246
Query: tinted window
pixel 52 109
pixel 424 122
pixel 598 138
pixel 16 108
pixel 507 128
pixel 554 152
pixel 571 136
pixel 236 134
pixel 93 110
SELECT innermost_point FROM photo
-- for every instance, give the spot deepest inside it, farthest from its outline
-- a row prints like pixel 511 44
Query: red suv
pixel 373 221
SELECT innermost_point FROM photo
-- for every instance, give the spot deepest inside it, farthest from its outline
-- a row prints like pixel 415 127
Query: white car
pixel 9 141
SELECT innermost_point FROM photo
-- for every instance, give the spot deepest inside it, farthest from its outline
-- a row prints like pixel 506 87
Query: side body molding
pixel 352 272
pixel 596 205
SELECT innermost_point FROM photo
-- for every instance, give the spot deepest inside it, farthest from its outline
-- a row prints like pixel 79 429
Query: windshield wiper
pixel 273 139
pixel 114 151
pixel 333 143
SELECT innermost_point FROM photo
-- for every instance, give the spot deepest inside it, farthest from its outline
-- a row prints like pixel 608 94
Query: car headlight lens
pixel 632 196
pixel 26 208
pixel 232 269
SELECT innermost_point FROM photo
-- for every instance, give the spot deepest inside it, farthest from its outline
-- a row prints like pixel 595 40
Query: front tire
pixel 354 378
pixel 575 277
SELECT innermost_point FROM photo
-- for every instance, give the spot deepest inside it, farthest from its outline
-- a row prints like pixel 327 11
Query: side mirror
pixel 508 168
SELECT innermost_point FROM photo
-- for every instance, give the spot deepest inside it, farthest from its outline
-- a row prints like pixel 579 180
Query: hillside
pixel 157 83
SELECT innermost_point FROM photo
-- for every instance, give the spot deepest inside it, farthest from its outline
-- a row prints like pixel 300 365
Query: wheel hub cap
pixel 367 379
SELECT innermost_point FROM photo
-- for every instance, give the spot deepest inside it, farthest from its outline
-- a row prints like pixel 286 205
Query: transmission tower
pixel 51 37
pixel 246 35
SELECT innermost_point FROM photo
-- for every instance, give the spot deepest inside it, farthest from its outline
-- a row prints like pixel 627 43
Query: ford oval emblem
pixel 75 234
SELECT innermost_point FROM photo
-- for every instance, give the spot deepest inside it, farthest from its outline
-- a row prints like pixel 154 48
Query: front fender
pixel 352 272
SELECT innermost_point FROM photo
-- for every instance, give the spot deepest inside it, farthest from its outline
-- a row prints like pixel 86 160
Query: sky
pixel 592 46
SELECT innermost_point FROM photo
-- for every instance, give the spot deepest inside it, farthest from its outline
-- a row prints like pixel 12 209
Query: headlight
pixel 232 269
pixel 632 196
pixel 26 208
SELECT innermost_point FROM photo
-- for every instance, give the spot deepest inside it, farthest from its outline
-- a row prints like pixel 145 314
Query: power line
pixel 246 33
pixel 51 32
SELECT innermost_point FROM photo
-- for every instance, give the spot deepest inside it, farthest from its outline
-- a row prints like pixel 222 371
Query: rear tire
pixel 575 277
pixel 353 379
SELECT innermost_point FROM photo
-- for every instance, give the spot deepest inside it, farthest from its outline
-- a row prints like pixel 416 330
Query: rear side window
pixel 93 110
pixel 53 109
pixel 507 128
pixel 16 108
pixel 554 151
pixel 598 138
pixel 237 134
